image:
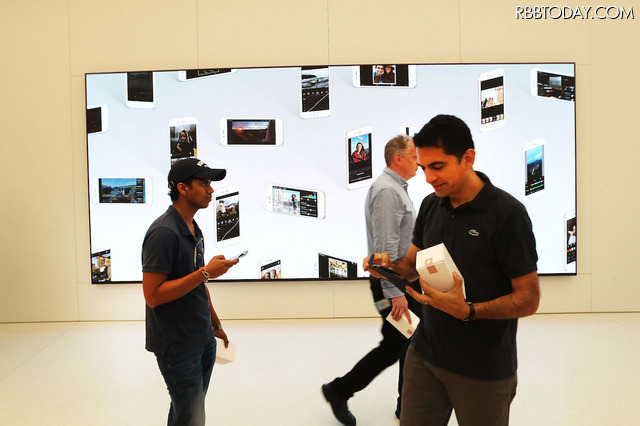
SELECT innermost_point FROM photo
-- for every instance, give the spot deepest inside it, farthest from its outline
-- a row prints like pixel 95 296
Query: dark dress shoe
pixel 338 405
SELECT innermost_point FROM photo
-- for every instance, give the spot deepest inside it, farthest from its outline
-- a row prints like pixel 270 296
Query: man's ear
pixel 468 158
pixel 182 188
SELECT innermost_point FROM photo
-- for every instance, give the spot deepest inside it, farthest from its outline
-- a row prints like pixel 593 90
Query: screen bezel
pixel 469 122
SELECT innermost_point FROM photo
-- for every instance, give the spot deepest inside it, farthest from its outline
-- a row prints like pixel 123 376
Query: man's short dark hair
pixel 447 132
pixel 173 191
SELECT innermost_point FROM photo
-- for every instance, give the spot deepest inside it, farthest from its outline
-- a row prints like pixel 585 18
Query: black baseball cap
pixel 182 170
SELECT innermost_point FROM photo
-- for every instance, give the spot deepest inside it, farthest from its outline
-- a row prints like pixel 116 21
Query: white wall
pixel 48 45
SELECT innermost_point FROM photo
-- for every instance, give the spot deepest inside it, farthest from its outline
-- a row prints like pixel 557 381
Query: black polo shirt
pixel 185 323
pixel 491 241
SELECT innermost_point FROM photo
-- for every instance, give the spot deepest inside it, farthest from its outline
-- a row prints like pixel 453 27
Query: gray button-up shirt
pixel 390 219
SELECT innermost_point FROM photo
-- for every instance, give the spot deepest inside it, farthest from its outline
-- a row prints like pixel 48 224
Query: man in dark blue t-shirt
pixel 463 354
pixel 180 319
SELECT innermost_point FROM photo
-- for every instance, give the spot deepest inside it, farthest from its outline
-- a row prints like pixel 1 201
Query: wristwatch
pixel 472 312
pixel 205 273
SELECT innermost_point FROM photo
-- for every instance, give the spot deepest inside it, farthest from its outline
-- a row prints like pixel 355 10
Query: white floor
pixel 574 370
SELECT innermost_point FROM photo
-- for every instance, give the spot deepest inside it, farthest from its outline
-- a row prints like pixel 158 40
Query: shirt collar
pixel 395 176
pixel 481 201
pixel 180 221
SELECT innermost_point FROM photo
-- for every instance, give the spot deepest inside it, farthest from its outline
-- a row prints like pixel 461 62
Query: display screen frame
pixel 311 155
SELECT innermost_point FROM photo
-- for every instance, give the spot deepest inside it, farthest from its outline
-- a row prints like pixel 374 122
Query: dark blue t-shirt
pixel 491 240
pixel 169 247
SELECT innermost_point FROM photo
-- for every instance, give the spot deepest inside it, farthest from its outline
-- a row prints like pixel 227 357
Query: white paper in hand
pixel 403 325
pixel 225 355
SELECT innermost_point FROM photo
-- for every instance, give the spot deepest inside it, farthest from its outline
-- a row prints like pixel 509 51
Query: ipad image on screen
pixel 359 164
pixel 251 131
pixel 140 88
pixel 121 190
pixel 97 119
pixel 491 89
pixel 314 92
pixel 534 183
pixel 384 75
pixel 101 267
pixel 571 240
pixel 270 269
pixel 335 268
pixel 187 75
pixel 294 201
pixel 548 84
pixel 227 206
pixel 183 138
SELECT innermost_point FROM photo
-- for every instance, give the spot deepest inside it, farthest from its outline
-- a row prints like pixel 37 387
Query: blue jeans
pixel 187 376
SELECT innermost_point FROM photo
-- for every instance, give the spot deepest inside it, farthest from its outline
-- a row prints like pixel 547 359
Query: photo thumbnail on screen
pixel 227 216
pixel 95 119
pixel 534 158
pixel 101 267
pixel 121 190
pixel 558 86
pixel 183 139
pixel 140 86
pixel 397 75
pixel 315 89
pixel 360 167
pixel 251 132
pixel 492 100
pixel 271 270
pixel 335 268
pixel 294 201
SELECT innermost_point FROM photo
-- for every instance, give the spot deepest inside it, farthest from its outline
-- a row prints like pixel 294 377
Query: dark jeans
pixel 391 348
pixel 187 375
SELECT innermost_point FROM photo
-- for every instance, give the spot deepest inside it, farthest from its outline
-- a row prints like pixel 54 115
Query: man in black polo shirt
pixel 180 319
pixel 463 354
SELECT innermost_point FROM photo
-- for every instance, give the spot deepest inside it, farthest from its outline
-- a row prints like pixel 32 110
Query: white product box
pixel 225 355
pixel 403 325
pixel 435 266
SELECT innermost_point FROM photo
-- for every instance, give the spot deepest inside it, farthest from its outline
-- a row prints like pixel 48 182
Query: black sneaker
pixel 338 405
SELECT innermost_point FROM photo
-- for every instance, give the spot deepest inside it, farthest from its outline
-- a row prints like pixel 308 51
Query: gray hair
pixel 398 145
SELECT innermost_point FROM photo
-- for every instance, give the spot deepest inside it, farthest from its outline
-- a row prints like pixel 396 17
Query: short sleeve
pixel 517 244
pixel 159 250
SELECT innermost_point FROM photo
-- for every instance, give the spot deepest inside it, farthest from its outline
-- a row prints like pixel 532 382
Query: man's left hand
pixel 220 334
pixel 451 302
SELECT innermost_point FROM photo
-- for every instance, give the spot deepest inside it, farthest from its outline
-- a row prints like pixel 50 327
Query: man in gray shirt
pixel 390 218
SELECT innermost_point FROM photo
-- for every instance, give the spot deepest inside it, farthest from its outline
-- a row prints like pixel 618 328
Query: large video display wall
pixel 301 146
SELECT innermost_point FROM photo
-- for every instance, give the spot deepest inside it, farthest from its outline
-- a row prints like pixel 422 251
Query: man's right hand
pixel 218 265
pixel 400 307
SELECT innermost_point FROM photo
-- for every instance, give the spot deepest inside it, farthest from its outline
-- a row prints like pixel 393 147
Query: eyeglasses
pixel 198 254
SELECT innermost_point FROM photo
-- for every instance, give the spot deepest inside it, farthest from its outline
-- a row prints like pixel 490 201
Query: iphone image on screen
pixel 491 97
pixel 358 154
pixel 183 138
pixel 227 207
pixel 314 92
pixel 534 183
